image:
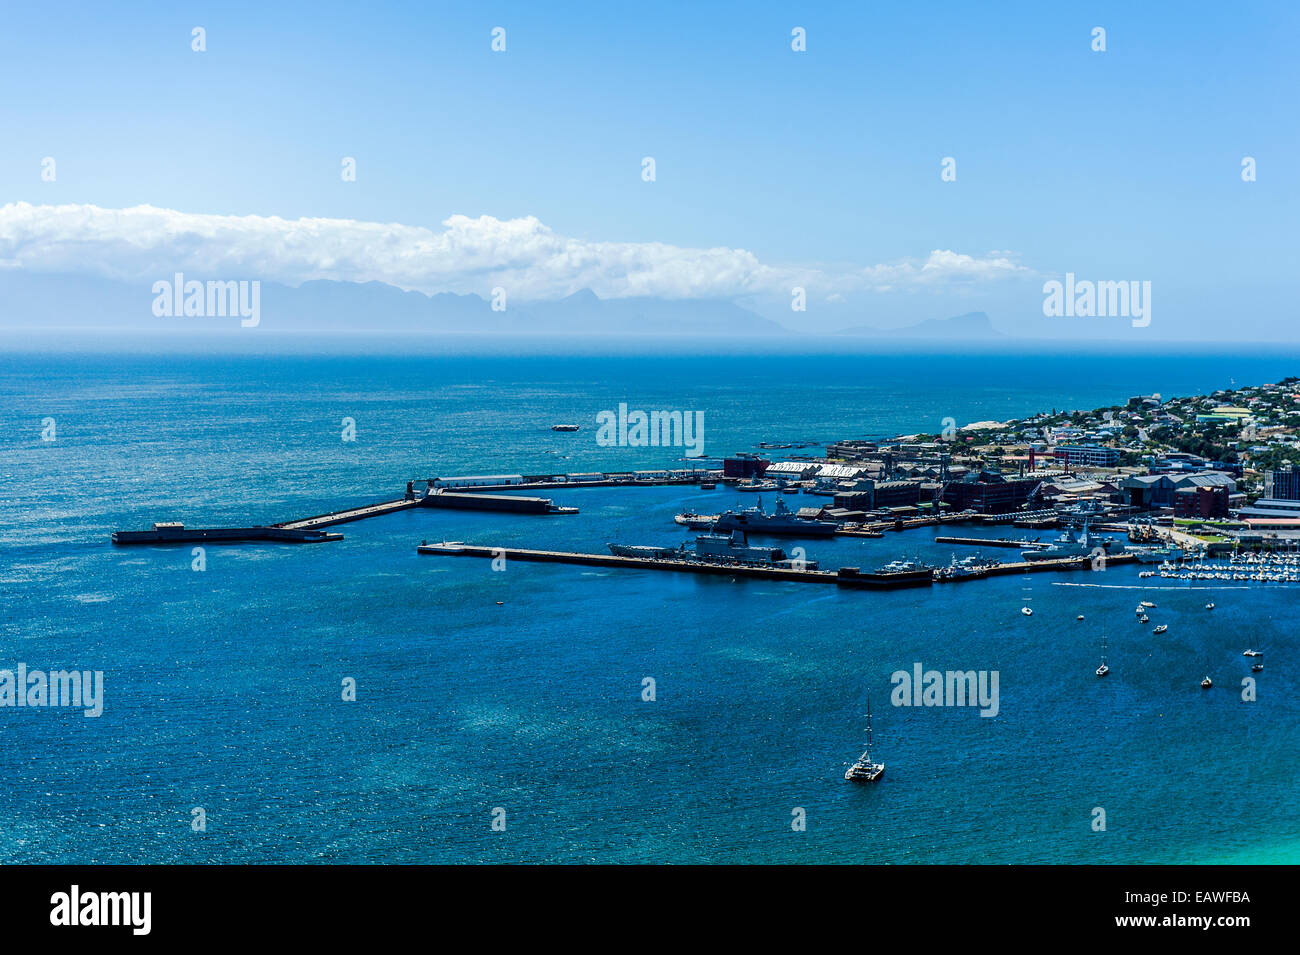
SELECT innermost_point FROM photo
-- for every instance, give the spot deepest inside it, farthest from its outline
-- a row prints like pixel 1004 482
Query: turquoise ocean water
pixel 222 688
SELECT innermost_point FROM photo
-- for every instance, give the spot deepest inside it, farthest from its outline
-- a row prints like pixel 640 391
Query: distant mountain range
pixel 40 300
pixel 64 301
pixel 973 326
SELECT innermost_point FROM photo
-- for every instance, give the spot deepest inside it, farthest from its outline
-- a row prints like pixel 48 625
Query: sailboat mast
pixel 868 753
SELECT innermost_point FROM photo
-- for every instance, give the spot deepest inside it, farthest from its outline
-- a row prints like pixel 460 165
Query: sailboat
pixel 864 770
pixel 1103 669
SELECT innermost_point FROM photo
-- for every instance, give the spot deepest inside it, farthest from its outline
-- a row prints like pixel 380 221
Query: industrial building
pixel 744 466
pixel 1149 491
pixel 988 492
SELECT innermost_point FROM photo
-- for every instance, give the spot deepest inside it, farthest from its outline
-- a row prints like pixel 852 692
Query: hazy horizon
pixel 819 168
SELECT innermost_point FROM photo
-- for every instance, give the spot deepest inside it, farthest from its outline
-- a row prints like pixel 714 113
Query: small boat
pixel 564 427
pixel 1257 666
pixel 1206 683
pixel 696 522
pixel 757 486
pixel 865 770
pixel 1146 603
pixel 1144 619
pixel 789 490
pixel 1080 617
pixel 1251 653
pixel 1161 629
pixel 1210 605
pixel 1026 611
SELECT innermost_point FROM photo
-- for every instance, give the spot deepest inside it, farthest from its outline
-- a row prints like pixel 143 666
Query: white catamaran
pixel 864 770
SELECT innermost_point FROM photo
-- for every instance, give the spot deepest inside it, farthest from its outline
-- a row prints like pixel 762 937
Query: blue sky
pixel 1116 165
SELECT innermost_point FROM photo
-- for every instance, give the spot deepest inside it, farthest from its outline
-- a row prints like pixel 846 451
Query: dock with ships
pixel 485 494
pixel 844 577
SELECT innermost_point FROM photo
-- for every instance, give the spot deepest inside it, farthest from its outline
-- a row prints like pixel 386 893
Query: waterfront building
pixel 841 472
pixel 478 480
pixel 860 497
pixel 989 492
pixel 790 470
pixel 1201 501
pixel 1147 491
pixel 744 465
pixel 897 494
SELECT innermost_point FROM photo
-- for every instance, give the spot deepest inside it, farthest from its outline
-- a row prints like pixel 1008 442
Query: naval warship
pixel 732 548
pixel 782 522
pixel 1086 544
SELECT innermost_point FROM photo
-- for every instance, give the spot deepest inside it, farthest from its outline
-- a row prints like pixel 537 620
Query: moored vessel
pixel 782 522
pixel 865 770
pixel 696 522
pixel 648 551
pixel 1087 544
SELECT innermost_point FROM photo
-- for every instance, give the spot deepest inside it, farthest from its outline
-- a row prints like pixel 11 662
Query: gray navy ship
pixel 732 548
pixel 782 522
pixel 649 551
pixel 1086 544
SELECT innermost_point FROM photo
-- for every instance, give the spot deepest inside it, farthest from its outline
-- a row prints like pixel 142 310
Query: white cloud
pixel 467 255
pixel 944 267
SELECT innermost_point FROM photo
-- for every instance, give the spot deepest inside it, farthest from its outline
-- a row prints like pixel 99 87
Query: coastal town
pixel 1217 471
pixel 1187 477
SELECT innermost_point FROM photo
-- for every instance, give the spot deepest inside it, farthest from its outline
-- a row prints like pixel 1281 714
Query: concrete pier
pixel 175 533
pixel 844 577
pixel 309 530
pixel 457 549
pixel 351 514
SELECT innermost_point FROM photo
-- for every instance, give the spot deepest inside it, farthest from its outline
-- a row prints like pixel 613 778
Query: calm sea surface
pixel 223 687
